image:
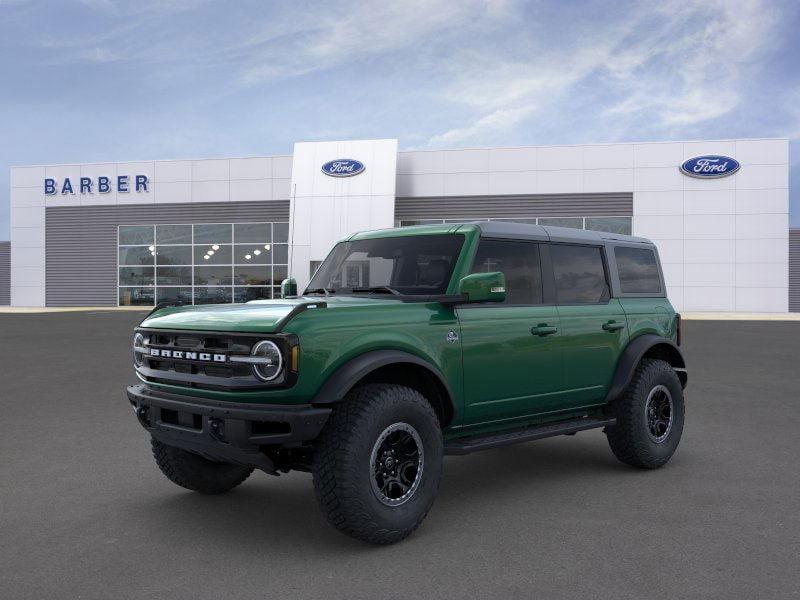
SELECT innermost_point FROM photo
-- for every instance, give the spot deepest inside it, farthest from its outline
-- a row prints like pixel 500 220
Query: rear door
pixel 593 325
pixel 511 351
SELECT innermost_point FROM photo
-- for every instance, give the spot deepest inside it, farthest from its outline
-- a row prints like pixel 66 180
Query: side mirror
pixel 288 288
pixel 483 287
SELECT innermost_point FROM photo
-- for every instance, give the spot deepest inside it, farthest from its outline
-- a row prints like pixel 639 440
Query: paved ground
pixel 84 513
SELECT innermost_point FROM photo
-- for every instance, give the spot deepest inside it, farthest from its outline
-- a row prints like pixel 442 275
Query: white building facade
pixel 230 229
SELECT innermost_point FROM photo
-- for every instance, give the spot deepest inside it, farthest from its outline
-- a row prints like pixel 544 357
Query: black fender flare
pixel 633 354
pixel 350 373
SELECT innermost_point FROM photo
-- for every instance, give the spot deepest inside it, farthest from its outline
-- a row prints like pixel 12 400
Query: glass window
pixel 280 232
pixel 256 233
pixel 212 275
pixel 279 273
pixel 252 275
pixel 174 294
pixel 174 255
pixel 527 221
pixel 187 263
pixel 136 255
pixel 280 254
pixel 579 274
pixel 174 276
pixel 571 222
pixel 136 296
pixel 212 234
pixel 173 234
pixel 638 270
pixel 246 294
pixel 519 263
pixel 610 224
pixel 409 265
pixel 135 235
pixel 212 295
pixel 136 276
pixel 252 254
pixel 216 255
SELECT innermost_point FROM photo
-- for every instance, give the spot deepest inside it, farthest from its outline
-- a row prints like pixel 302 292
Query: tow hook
pixel 216 428
pixel 143 414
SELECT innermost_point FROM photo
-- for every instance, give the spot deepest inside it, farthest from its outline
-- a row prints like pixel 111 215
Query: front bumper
pixel 225 431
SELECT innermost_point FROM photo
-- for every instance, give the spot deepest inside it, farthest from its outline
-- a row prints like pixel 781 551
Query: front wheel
pixel 649 416
pixel 378 463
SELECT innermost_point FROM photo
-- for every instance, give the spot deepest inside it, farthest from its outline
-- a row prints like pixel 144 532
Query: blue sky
pixel 98 80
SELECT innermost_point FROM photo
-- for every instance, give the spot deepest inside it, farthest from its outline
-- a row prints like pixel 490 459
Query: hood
pixel 259 316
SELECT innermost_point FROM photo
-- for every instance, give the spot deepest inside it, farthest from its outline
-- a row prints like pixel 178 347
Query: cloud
pixel 672 65
pixel 502 119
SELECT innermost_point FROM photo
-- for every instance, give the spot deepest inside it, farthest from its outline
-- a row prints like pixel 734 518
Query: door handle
pixel 543 329
pixel 612 325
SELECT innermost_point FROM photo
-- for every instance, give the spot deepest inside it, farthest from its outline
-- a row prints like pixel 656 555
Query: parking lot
pixel 85 513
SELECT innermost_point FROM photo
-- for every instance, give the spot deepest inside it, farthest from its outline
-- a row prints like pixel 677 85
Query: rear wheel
pixel 378 463
pixel 649 416
pixel 196 473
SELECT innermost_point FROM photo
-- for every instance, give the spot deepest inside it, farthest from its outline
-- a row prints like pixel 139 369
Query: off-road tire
pixel 195 473
pixel 343 469
pixel 629 438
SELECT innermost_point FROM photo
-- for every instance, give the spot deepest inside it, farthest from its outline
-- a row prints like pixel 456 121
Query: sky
pixel 98 80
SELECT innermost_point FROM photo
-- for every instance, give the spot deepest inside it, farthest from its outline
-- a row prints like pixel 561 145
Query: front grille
pixel 212 343
pixel 203 374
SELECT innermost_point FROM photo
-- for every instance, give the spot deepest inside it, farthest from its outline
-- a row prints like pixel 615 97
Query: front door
pixel 593 325
pixel 511 350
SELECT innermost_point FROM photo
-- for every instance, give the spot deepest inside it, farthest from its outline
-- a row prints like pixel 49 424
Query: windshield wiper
pixel 325 291
pixel 378 289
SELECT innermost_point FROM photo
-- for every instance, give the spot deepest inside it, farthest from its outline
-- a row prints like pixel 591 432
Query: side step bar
pixel 467 445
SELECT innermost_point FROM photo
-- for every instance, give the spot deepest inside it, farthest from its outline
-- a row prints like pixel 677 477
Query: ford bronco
pixel 410 344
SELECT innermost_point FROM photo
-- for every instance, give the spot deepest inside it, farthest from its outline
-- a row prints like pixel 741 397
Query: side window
pixel 638 270
pixel 519 262
pixel 579 274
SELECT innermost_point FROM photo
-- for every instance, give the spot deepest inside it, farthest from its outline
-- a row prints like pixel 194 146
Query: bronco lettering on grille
pixel 181 354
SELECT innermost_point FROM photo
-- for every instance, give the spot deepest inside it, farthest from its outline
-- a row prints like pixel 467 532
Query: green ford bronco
pixel 410 344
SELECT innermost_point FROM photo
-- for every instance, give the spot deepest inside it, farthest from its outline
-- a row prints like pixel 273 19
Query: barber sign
pixel 710 166
pixel 343 167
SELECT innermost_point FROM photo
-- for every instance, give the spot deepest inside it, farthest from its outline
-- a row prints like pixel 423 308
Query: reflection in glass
pixel 135 235
pixel 135 255
pixel 173 234
pixel 174 294
pixel 132 296
pixel 136 276
pixel 212 275
pixel 255 233
pixel 212 295
pixel 174 276
pixel 174 255
pixel 245 294
pixel 212 234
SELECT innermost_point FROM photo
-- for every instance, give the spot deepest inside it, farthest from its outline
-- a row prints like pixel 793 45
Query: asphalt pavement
pixel 85 513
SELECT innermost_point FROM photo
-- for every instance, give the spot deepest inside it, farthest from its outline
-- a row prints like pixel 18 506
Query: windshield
pixel 410 265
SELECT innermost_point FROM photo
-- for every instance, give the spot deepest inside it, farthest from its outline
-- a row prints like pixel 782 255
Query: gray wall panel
pixel 545 205
pixel 794 270
pixel 82 241
pixel 5 273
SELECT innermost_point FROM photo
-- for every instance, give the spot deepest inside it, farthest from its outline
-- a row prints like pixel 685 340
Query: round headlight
pixel 271 361
pixel 138 343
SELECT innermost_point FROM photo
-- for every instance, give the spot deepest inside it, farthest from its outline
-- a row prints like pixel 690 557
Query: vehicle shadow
pixel 284 510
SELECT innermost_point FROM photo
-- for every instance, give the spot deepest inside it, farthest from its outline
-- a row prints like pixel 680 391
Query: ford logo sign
pixel 343 167
pixel 707 167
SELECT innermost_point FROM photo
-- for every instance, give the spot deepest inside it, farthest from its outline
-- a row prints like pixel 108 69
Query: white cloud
pixel 500 119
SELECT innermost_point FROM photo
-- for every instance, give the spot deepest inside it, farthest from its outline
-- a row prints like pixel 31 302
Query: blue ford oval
pixel 343 167
pixel 710 166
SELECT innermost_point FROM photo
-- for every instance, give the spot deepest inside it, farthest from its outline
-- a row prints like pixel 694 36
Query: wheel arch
pixel 645 346
pixel 391 366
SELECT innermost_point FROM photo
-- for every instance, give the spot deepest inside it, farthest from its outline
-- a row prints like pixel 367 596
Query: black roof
pixel 555 234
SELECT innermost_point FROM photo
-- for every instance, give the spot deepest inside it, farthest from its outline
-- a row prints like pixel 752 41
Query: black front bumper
pixel 225 431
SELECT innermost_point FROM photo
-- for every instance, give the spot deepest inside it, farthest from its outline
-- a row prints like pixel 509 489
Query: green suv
pixel 410 344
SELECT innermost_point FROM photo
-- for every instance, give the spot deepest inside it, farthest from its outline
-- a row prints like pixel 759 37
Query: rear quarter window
pixel 638 270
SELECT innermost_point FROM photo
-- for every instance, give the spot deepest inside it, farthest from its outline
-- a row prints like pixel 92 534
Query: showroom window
pixel 201 263
pixel 620 225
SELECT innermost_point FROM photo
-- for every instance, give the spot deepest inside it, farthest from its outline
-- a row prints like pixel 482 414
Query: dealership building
pixel 230 229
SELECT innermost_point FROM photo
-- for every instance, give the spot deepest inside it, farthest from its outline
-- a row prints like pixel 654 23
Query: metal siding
pixel 5 273
pixel 82 241
pixel 794 270
pixel 486 207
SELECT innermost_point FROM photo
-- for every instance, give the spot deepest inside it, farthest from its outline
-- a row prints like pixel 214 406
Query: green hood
pixel 260 316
